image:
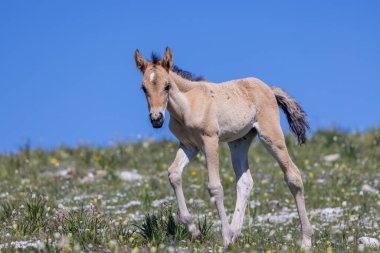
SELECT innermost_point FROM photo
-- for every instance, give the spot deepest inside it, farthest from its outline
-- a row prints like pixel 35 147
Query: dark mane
pixel 187 75
pixel 155 59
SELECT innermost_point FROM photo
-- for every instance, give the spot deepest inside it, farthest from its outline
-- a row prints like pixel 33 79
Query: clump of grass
pixel 161 227
pixel 123 233
pixel 6 211
pixel 33 216
pixel 175 229
pixel 151 229
pixel 204 227
pixel 87 226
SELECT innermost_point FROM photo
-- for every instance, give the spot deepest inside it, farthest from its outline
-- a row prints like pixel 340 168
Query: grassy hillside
pixel 119 199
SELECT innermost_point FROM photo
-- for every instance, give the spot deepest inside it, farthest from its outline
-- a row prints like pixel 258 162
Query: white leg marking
pixel 183 162
pixel 244 184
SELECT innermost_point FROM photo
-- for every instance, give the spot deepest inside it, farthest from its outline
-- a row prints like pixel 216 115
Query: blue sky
pixel 67 73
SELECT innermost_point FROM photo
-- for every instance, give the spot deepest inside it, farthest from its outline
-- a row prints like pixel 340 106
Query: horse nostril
pixel 156 116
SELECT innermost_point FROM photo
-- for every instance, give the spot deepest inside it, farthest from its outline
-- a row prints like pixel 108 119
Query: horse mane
pixel 155 59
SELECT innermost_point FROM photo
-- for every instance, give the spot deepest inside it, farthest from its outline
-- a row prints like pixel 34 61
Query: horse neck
pixel 181 83
pixel 178 100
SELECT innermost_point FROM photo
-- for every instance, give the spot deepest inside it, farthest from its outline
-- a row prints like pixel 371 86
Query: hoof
pixel 306 245
pixel 306 249
pixel 234 235
pixel 227 242
pixel 228 238
pixel 196 235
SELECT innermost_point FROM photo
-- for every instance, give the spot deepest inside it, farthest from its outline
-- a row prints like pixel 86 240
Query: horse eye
pixel 167 87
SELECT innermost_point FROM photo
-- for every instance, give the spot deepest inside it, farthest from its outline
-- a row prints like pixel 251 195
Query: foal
pixel 202 114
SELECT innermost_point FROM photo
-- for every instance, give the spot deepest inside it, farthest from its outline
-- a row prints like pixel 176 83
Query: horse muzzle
pixel 157 119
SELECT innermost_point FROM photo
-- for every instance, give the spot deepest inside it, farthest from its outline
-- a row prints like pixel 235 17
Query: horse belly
pixel 234 124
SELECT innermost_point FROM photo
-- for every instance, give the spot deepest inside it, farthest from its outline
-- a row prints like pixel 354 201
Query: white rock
pixel 254 203
pixel 3 195
pixel 159 202
pixel 369 189
pixel 332 157
pixel 129 176
pixel 64 173
pixel 123 207
pixel 22 244
pixel 132 203
pixel 277 218
pixel 101 173
pixel 88 178
pixel 368 241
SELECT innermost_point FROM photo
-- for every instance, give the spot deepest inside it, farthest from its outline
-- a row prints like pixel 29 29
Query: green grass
pixel 73 199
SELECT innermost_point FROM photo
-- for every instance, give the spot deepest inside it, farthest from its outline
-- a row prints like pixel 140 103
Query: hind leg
pixel 271 135
pixel 244 183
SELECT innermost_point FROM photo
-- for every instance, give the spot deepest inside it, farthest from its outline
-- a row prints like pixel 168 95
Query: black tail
pixel 294 113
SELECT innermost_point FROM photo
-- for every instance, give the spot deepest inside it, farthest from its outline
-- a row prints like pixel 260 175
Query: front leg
pixel 214 184
pixel 183 157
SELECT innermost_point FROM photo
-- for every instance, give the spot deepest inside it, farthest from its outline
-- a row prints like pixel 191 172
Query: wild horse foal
pixel 202 114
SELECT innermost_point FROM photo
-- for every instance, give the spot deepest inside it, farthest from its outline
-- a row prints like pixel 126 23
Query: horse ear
pixel 167 61
pixel 141 63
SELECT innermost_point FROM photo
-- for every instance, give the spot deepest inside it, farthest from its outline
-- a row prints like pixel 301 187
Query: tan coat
pixel 202 114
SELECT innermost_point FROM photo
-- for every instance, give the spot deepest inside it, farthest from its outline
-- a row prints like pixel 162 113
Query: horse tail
pixel 295 115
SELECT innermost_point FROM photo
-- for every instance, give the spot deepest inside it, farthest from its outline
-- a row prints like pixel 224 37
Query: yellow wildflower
pixel 54 161
pixel 193 173
pixel 112 244
pixel 66 248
